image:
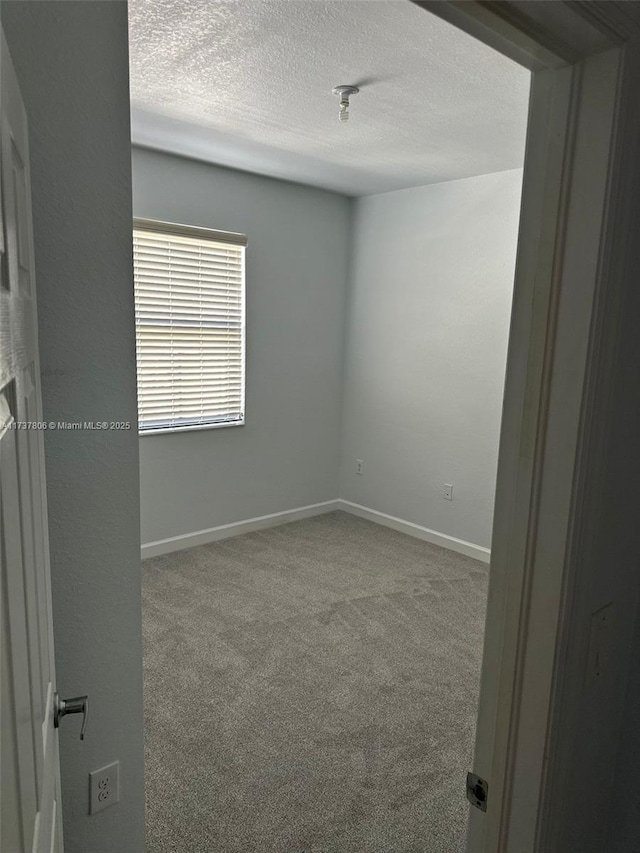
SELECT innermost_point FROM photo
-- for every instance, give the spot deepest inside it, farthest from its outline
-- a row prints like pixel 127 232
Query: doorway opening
pixel 315 583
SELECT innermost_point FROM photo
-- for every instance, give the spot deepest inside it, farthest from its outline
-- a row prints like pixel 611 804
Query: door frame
pixel 572 266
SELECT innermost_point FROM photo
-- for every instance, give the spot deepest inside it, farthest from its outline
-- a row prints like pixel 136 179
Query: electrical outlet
pixel 448 492
pixel 104 787
pixel 359 466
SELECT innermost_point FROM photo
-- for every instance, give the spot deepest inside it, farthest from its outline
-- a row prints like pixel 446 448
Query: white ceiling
pixel 247 84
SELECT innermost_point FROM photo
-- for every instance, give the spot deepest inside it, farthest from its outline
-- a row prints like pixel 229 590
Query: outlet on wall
pixel 359 466
pixel 448 492
pixel 104 787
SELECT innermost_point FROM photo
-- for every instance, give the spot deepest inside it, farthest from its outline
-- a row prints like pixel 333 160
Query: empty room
pixel 388 586
pixel 326 201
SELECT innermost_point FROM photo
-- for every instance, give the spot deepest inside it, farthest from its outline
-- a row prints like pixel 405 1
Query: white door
pixel 30 798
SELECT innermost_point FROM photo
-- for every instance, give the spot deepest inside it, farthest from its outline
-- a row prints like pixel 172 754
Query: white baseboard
pixel 224 531
pixel 424 533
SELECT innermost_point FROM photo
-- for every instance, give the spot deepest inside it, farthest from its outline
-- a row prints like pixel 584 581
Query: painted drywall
pixel 598 733
pixel 287 454
pixel 430 292
pixel 71 62
pixel 624 811
pixel 601 734
pixel 617 559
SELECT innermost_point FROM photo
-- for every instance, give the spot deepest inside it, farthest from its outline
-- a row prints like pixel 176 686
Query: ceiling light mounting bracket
pixel 345 93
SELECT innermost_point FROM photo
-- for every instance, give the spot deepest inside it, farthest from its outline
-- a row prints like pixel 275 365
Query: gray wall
pixel 71 61
pixel 431 284
pixel 287 455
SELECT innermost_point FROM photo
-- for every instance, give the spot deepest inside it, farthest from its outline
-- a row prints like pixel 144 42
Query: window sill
pixel 196 427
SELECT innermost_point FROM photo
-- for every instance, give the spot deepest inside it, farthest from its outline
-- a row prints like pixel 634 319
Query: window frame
pixel 201 233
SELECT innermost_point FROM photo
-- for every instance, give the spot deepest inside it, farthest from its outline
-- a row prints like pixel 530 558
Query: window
pixel 190 327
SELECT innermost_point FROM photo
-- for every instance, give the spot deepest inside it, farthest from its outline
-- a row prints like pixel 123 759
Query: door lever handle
pixel 77 705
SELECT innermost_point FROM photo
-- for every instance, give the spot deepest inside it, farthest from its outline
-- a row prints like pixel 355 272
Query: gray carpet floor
pixel 311 688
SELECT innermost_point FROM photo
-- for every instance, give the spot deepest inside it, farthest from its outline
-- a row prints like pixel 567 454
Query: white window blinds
pixel 190 327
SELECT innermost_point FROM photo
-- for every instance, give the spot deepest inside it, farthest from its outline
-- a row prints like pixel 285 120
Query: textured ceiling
pixel 247 84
